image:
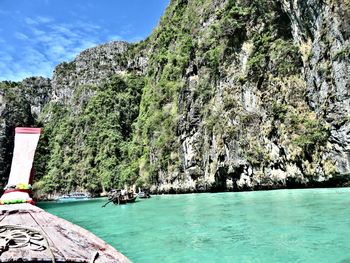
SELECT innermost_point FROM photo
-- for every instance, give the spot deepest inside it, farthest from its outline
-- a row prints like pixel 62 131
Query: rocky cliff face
pixel 224 95
pixel 322 30
pixel 262 101
pixel 92 66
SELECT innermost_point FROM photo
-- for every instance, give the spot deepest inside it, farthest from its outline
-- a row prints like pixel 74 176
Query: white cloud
pixel 38 20
pixel 37 32
pixel 87 26
pixel 44 19
pixel 45 43
pixel 30 21
pixel 64 30
pixel 21 36
pixel 57 49
pixel 5 57
pixel 114 37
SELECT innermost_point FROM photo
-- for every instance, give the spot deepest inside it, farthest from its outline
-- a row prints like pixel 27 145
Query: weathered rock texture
pixel 92 66
pixel 262 102
pixel 322 30
pixel 236 95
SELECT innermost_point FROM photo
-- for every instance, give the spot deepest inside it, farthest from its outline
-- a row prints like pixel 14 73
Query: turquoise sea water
pixel 311 225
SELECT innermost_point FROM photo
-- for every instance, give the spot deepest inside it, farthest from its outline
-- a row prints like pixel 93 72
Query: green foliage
pixel 85 145
pixel 154 138
pixel 249 119
pixel 15 112
pixel 212 59
pixel 279 111
pixel 324 68
pixel 277 56
pixel 179 41
pixel 256 155
pixel 274 50
pixel 65 67
pixel 285 58
pixel 116 136
pixel 233 24
pixel 312 133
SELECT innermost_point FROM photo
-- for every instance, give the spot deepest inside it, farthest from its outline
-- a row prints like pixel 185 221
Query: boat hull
pixel 53 237
pixel 62 200
pixel 123 201
pixel 143 195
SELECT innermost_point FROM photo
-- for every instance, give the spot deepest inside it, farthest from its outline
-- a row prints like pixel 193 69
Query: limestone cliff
pixel 247 111
pixel 224 95
pixel 322 32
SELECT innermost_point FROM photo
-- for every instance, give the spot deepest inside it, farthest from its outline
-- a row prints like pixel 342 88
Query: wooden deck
pixel 28 233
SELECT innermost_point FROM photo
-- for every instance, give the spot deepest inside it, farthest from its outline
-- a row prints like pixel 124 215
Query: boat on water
pixel 144 195
pixel 73 197
pixel 28 233
pixel 126 200
pixel 121 197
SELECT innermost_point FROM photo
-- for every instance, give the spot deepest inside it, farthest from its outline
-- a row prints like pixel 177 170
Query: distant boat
pixel 144 195
pixel 73 197
pixel 129 199
pixel 120 197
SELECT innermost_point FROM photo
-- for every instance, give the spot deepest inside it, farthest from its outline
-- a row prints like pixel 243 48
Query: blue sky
pixel 36 35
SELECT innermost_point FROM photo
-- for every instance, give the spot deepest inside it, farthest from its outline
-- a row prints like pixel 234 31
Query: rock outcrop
pixel 322 30
pixel 263 101
pixel 92 66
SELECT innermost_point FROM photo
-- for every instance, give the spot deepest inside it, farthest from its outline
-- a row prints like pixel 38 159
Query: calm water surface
pixel 310 225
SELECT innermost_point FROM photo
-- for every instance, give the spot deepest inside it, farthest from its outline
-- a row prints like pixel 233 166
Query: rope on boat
pixel 18 236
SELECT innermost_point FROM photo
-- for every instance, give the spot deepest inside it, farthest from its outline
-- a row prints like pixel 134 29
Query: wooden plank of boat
pixel 28 233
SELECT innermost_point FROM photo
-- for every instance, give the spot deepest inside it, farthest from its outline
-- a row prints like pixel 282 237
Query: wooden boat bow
pixel 28 233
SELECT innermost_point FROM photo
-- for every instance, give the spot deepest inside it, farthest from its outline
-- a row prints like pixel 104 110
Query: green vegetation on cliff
pixel 214 99
pixel 14 111
pixel 85 142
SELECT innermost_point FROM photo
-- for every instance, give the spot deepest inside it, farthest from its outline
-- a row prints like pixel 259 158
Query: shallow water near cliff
pixel 310 225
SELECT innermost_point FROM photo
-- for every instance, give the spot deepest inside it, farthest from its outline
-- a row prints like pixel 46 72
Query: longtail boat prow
pixel 28 233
